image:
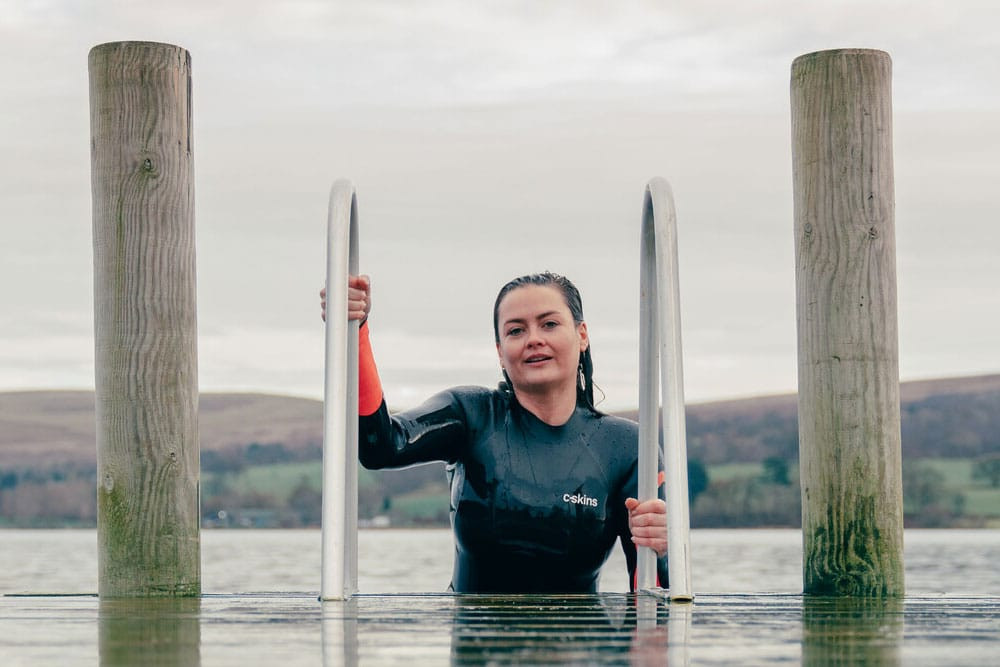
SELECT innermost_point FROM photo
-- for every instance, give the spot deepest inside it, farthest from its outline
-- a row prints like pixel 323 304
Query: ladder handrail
pixel 340 402
pixel 660 349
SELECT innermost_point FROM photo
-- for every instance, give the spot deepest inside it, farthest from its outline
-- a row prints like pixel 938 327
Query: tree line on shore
pixel 759 496
pixel 743 468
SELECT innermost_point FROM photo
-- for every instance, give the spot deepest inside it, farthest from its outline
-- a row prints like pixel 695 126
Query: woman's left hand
pixel 648 523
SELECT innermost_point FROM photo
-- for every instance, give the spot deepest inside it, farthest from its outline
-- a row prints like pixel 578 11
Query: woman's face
pixel 540 345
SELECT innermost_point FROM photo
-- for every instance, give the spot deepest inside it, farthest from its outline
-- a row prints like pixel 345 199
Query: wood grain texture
pixel 145 320
pixel 849 426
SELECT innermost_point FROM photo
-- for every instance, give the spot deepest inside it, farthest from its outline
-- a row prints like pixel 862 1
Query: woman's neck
pixel 553 408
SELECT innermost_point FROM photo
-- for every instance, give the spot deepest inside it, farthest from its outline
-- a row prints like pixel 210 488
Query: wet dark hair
pixel 571 295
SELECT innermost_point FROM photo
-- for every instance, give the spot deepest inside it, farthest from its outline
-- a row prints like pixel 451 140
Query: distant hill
pixel 946 418
pixel 943 418
pixel 38 427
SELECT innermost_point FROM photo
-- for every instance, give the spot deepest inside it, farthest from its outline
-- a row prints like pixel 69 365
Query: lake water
pixel 942 562
pixel 260 607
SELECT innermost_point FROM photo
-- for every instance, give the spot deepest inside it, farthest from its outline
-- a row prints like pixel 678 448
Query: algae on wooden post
pixel 849 429
pixel 144 320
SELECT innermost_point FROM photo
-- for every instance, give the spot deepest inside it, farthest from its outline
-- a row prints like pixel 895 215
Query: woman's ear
pixel 581 331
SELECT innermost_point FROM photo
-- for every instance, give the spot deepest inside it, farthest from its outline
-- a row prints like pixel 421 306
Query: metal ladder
pixel 659 349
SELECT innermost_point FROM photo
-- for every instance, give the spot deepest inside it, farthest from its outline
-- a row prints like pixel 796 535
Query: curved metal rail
pixel 340 402
pixel 660 349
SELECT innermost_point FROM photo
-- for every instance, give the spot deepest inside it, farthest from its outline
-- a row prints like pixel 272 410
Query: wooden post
pixel 144 320
pixel 849 435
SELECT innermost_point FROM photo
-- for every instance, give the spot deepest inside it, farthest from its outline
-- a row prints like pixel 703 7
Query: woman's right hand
pixel 359 298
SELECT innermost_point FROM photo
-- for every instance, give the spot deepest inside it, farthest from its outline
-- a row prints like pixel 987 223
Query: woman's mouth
pixel 535 359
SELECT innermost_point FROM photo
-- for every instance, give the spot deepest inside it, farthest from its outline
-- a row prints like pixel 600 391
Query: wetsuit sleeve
pixel 435 431
pixel 631 490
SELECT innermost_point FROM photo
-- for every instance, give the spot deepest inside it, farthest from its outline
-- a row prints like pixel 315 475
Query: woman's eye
pixel 514 331
pixel 551 324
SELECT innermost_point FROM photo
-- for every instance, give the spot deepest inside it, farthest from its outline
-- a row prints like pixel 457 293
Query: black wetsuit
pixel 534 508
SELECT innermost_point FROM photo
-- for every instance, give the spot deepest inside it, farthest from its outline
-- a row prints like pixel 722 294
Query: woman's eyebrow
pixel 522 320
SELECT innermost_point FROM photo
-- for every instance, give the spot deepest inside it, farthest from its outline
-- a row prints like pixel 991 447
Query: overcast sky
pixel 491 139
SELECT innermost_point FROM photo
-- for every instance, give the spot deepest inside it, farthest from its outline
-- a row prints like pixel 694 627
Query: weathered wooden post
pixel 849 435
pixel 144 320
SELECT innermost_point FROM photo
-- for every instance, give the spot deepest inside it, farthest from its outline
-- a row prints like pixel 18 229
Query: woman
pixel 542 483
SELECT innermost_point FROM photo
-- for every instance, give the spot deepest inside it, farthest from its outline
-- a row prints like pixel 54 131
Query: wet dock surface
pixel 290 629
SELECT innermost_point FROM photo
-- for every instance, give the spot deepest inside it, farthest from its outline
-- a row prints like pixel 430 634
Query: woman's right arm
pixel 432 432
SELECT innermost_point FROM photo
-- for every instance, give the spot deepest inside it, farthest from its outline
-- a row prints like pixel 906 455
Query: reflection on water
pixel 149 631
pixel 656 644
pixel 581 628
pixel 679 626
pixel 409 630
pixel 510 629
pixel 851 631
pixel 340 632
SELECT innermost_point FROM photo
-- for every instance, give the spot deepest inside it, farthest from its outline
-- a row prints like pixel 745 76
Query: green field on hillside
pixel 726 471
pixel 277 480
pixel 957 472
pixel 428 504
pixel 981 499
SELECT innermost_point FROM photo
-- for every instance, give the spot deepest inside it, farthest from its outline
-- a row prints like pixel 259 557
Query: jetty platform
pixel 290 629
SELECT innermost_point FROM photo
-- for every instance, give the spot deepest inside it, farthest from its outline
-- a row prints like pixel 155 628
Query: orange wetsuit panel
pixel 369 384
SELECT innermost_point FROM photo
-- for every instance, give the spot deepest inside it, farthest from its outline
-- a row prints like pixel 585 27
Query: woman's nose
pixel 534 335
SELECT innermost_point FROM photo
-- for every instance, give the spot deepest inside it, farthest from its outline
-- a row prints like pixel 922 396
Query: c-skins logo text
pixel 579 499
